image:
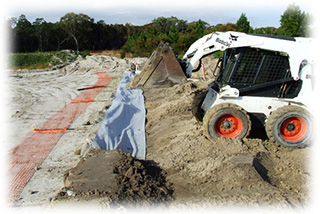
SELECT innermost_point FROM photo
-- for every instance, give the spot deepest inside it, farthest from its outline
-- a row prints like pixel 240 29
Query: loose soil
pixel 251 172
pixel 119 177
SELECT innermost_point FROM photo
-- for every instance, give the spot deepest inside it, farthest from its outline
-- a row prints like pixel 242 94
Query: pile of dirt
pixel 117 176
pixel 251 172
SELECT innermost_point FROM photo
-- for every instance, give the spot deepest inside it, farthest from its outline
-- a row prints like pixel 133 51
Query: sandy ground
pixel 194 171
pixel 252 172
pixel 37 95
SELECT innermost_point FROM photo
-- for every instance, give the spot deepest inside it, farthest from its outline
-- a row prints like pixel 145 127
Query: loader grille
pixel 273 67
pixel 250 68
pixel 247 66
pixel 254 66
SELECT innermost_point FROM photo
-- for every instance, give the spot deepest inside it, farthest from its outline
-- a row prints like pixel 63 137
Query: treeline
pixel 74 31
pixel 80 32
pixel 181 34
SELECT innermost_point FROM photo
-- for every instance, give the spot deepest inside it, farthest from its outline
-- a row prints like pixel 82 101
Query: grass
pixel 27 60
pixel 41 60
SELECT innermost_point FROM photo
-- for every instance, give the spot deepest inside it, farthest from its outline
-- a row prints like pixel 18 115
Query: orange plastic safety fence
pixel 36 146
pixel 49 131
pixel 82 101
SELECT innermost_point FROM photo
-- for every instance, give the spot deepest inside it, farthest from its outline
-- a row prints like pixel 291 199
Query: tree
pixel 198 28
pixel 164 25
pixel 224 27
pixel 294 23
pixel 78 27
pixel 174 34
pixel 41 32
pixel 243 25
pixel 201 28
pixel 23 34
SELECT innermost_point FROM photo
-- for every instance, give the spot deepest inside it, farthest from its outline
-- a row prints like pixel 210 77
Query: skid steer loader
pixel 261 80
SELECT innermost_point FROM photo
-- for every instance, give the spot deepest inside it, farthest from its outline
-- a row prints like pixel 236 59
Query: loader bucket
pixel 161 70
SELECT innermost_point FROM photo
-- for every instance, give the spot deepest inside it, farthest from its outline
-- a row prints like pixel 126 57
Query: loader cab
pixel 258 72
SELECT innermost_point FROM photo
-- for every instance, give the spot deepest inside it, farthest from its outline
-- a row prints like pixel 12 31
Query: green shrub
pixel 28 59
pixel 43 59
pixel 85 53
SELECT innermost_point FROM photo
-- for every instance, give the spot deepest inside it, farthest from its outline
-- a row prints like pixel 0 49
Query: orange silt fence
pixel 82 101
pixel 49 131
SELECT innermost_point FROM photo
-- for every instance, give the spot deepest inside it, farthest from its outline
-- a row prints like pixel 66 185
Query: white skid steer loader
pixel 261 80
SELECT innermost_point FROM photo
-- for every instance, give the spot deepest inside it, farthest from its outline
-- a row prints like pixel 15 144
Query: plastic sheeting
pixel 123 125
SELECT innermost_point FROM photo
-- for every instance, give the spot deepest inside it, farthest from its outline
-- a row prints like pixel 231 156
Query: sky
pixel 260 13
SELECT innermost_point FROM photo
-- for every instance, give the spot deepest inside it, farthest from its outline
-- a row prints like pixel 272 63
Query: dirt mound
pixel 118 176
pixel 251 172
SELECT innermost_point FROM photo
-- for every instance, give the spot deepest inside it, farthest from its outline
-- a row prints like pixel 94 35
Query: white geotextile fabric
pixel 123 125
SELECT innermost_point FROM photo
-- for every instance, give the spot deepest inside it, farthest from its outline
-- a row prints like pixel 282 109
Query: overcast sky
pixel 261 13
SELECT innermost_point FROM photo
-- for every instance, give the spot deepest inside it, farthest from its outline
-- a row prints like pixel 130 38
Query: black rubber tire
pixel 196 109
pixel 214 115
pixel 276 126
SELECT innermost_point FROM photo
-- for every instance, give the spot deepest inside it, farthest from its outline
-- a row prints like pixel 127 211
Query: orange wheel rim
pixel 228 126
pixel 293 129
